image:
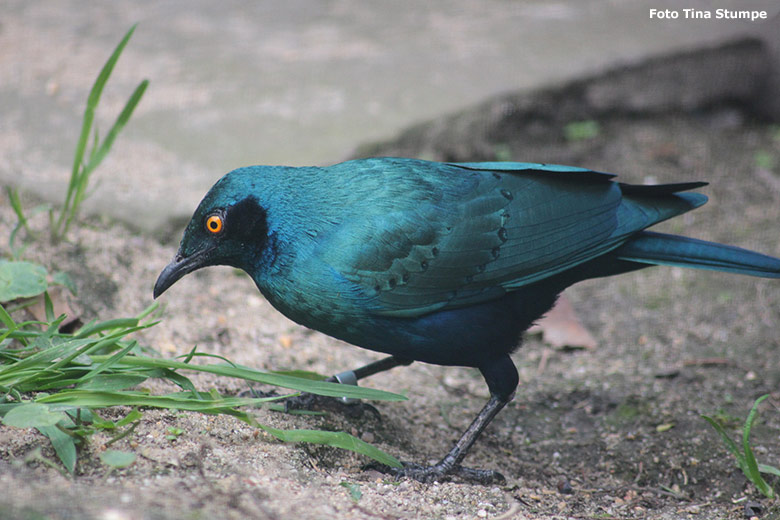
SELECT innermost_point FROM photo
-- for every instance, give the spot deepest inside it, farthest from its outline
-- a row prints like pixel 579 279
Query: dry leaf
pixel 561 328
pixel 62 304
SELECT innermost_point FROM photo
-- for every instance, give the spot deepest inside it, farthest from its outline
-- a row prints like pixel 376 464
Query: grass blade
pixel 294 383
pixel 337 440
pixel 746 459
pixel 82 169
pixel 7 320
pixel 751 464
pixel 120 122
pixel 86 127
pixel 15 373
pixel 769 470
pixel 200 402
pixel 108 362
pixel 48 306
pixel 93 346
pixel 99 152
pixel 181 381
pixel 16 204
pixel 113 382
pixel 730 444
pixel 92 328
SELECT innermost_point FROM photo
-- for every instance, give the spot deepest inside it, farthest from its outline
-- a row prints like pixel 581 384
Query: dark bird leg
pixel 450 464
pixel 350 407
pixel 502 379
pixel 370 369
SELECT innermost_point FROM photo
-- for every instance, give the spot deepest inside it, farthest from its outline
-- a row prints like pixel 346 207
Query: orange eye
pixel 214 224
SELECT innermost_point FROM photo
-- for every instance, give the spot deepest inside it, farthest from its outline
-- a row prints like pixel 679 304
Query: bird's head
pixel 229 227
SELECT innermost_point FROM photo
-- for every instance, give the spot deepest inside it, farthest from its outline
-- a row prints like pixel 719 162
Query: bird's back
pixel 405 237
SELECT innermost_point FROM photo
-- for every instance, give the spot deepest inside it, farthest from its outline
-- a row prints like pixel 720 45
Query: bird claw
pixel 350 408
pixel 440 473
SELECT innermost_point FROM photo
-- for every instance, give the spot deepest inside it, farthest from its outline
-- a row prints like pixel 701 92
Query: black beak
pixel 179 266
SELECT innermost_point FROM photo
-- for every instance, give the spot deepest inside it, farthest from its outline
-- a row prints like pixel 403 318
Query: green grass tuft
pixel 746 459
pixel 84 161
pixel 57 382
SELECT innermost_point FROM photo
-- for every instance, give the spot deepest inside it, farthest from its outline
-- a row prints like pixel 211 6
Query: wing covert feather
pixel 474 234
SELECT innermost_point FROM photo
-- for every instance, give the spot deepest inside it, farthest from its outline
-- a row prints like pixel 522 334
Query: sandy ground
pixel 620 423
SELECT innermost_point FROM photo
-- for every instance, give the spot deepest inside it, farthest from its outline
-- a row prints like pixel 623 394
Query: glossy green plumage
pixel 342 248
pixel 414 236
pixel 438 262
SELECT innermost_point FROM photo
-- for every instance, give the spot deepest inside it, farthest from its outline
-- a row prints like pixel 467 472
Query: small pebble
pixel 752 509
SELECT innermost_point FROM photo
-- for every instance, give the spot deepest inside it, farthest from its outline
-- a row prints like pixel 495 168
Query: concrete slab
pixel 297 82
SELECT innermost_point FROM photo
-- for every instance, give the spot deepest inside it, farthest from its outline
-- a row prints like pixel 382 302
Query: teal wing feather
pixel 470 232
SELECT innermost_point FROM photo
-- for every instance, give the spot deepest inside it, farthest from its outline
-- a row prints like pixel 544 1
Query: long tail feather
pixel 661 249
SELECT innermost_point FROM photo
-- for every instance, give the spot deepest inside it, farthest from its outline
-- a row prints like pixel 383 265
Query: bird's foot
pixel 351 408
pixel 254 393
pixel 440 473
